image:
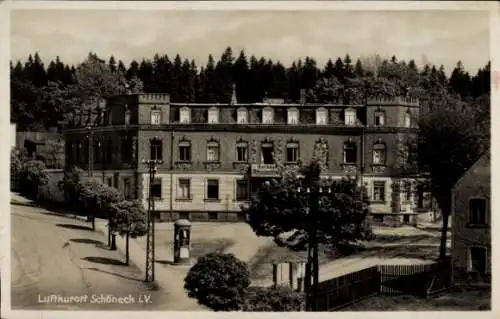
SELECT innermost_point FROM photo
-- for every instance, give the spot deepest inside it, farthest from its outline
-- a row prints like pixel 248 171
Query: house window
pixel 350 117
pixel 321 116
pixel 406 191
pixel 379 118
pixel 408 119
pixel 213 189
pixel 379 153
pixel 126 188
pixel 241 152
pixel 155 149
pixel 292 152
pixel 267 150
pixel 242 116
pixel 185 151
pixel 184 189
pixel 213 151
pixel 477 211
pixel 477 260
pixel 379 191
pixel 242 190
pixel 293 116
pixel 350 153
pixel 267 115
pixel 127 117
pixel 126 149
pixel 185 115
pixel 213 115
pixel 156 117
pixel 156 188
pixel 110 182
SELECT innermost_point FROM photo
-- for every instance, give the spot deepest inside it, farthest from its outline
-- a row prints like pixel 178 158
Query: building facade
pixel 215 155
pixel 471 225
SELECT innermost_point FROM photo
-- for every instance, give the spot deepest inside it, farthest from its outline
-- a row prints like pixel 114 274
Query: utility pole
pixel 91 163
pixel 150 236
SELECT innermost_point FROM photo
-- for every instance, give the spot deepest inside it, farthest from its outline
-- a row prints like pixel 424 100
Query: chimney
pixel 234 100
pixel 302 96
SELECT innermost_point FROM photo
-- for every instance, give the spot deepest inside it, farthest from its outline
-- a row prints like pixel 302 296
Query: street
pixel 55 257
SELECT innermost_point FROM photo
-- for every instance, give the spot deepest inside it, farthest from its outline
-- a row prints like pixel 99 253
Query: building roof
pixel 484 159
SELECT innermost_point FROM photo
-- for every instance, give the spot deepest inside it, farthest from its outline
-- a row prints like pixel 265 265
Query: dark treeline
pixel 42 94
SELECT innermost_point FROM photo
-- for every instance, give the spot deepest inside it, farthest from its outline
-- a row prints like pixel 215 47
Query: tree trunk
pixel 444 234
pixel 109 232
pixel 126 249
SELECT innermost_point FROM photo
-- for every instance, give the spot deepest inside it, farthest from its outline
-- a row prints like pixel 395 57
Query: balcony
pixel 349 168
pixel 264 170
pixel 241 166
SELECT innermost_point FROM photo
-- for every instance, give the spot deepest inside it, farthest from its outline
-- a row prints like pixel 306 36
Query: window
pixel 110 117
pixel 408 119
pixel 110 182
pixel 350 153
pixel 126 149
pixel 184 189
pixel 213 189
pixel 213 115
pixel 267 150
pixel 379 191
pixel 213 151
pixel 350 117
pixel 292 152
pixel 477 211
pixel 267 115
pixel 156 188
pixel 127 117
pixel 155 150
pixel 242 190
pixel 185 151
pixel 126 187
pixel 477 260
pixel 241 152
pixel 156 117
pixel 379 153
pixel 406 191
pixel 379 118
pixel 185 115
pixel 293 116
pixel 242 116
pixel 321 116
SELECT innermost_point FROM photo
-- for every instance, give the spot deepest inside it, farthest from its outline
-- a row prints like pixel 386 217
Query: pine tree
pixel 358 69
pixel 241 77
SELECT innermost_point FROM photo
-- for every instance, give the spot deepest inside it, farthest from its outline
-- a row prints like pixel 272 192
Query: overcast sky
pixel 441 37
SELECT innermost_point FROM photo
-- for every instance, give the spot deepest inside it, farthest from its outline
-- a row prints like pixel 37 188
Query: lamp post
pixel 312 267
pixel 150 235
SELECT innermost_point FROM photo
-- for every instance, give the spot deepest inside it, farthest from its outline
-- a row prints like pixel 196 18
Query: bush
pixel 31 176
pixel 16 165
pixel 273 299
pixel 218 281
pixel 69 185
pixel 95 198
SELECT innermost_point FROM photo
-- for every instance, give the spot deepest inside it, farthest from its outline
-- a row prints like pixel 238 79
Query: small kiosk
pixel 182 241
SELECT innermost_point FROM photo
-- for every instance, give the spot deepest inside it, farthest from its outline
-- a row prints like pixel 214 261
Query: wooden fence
pixel 420 280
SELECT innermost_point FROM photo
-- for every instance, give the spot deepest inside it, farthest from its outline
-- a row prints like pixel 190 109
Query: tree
pixel 16 165
pixel 69 185
pixel 128 218
pixel 279 207
pixel 218 281
pixel 269 299
pixel 31 177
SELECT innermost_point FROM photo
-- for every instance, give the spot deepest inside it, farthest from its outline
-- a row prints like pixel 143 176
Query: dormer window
pixel 242 116
pixel 379 118
pixel 408 119
pixel 127 117
pixel 213 115
pixel 293 116
pixel 350 117
pixel 321 116
pixel 267 115
pixel 155 117
pixel 185 115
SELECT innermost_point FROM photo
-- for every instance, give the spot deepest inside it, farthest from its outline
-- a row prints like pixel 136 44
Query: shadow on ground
pixel 97 243
pixel 389 239
pixel 104 261
pixel 15 203
pixel 113 274
pixel 71 226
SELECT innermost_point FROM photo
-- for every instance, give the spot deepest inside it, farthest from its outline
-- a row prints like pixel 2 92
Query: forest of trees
pixel 43 94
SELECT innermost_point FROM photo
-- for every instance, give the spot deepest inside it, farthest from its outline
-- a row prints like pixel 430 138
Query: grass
pixel 453 300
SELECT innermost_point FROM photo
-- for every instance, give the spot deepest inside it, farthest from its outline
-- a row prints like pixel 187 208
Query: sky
pixel 437 37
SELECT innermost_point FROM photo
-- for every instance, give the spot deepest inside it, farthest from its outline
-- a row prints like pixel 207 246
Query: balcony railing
pixel 264 170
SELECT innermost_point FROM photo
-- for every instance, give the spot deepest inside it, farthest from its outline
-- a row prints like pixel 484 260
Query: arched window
pixel 350 116
pixel 213 151
pixel 293 115
pixel 242 115
pixel 379 117
pixel 267 115
pixel 321 116
pixel 242 151
pixel 350 152
pixel 213 115
pixel 379 153
pixel 185 115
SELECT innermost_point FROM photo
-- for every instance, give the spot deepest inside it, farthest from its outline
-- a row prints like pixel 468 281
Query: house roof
pixel 483 159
